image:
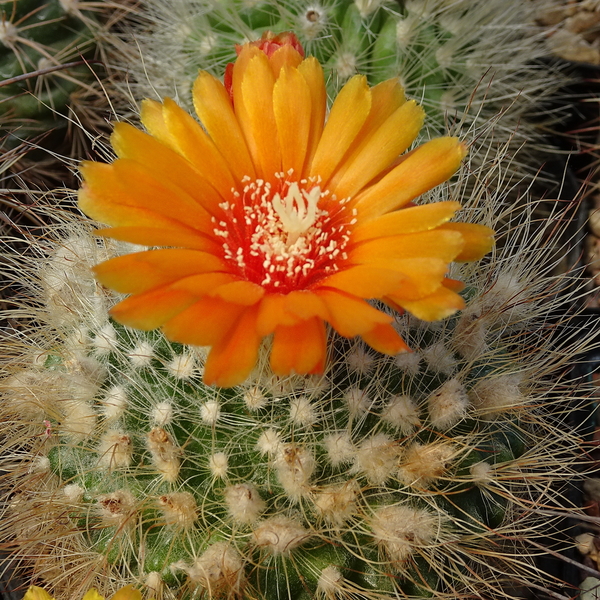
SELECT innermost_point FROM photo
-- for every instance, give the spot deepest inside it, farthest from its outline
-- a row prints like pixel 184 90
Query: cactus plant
pixel 52 56
pixel 419 475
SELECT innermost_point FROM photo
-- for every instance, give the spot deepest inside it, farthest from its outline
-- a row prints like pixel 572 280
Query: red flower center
pixel 286 236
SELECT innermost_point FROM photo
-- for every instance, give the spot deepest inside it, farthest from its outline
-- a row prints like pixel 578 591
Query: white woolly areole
pixel 345 64
pixel 339 447
pixel 154 582
pixel 244 502
pixel 359 360
pixel 210 412
pixel 28 393
pixel 255 399
pixel 402 412
pixel 481 472
pixel 280 534
pixel 424 463
pixel 269 442
pixel 179 509
pixel 165 453
pixel 507 299
pixel 162 413
pixel 357 401
pixel 294 466
pixel 439 359
pixel 39 464
pixel 377 458
pixel 400 529
pixel 470 335
pixel 302 412
pixel 116 509
pixel 448 404
pixel 408 362
pixel 330 581
pixel 115 450
pixel 73 492
pixel 218 464
pixel 497 395
pixel 141 355
pixel 337 503
pixel 182 366
pixel 312 21
pixel 79 419
pixel 114 403
pixel 105 340
pixel 219 570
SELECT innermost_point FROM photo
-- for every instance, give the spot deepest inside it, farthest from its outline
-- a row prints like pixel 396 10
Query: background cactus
pixel 52 55
pixel 424 475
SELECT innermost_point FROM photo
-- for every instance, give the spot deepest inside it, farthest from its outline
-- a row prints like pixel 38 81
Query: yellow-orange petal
pixel 346 118
pixel 420 170
pixel 206 322
pixel 130 183
pixel 37 593
pixel 479 240
pixel 193 143
pixel 443 245
pixel 351 316
pixel 305 305
pixel 151 116
pixel 151 309
pixel 421 276
pixel 245 293
pixel 96 207
pixel 453 284
pixel 127 593
pixel 141 271
pixel 407 220
pixel 160 236
pixel 439 305
pixel 253 98
pixel 285 56
pixel 299 348
pixel 312 72
pixel 272 312
pixel 94 595
pixel 213 107
pixel 385 339
pixel 231 361
pixel 364 281
pixel 292 108
pixel 165 164
pixel 379 150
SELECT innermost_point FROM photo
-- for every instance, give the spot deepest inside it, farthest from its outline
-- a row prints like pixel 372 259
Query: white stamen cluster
pixel 282 236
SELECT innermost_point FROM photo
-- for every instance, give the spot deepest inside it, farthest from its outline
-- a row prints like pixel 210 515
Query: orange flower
pixel 278 220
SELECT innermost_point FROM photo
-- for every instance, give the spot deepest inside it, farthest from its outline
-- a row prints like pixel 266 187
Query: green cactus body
pixel 37 35
pixel 386 477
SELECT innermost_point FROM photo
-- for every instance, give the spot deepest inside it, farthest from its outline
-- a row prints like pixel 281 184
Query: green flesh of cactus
pixel 284 489
pixel 37 35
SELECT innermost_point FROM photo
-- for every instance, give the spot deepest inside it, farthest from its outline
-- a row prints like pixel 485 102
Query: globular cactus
pixel 417 476
pixel 426 474
pixel 52 53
